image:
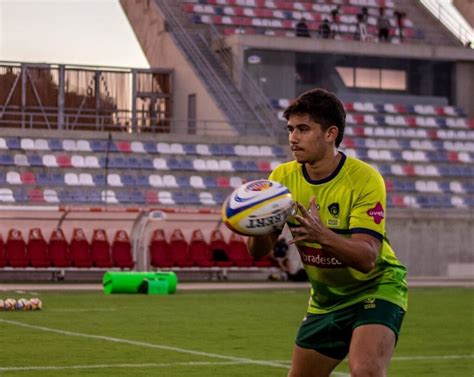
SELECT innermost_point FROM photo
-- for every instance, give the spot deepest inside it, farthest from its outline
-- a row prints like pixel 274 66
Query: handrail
pixel 183 36
pixel 251 91
pixel 441 13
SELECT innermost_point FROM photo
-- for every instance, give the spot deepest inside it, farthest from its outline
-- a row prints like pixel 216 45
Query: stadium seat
pixel 207 199
pixel 15 249
pixel 79 250
pixel 77 161
pixel 21 160
pixel 28 178
pixel 179 249
pixel 58 249
pixel 219 249
pixel 155 180
pixel 37 249
pixel 122 250
pixel 160 252
pixel 199 252
pixel 237 251
pixel 100 249
pixel 13 178
pixel 35 195
pixel 83 146
pixel 137 147
pixel 3 260
pixel 6 195
pixel 41 145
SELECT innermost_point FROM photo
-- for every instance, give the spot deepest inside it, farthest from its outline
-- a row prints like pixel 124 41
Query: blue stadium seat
pixel 142 180
pixel 55 145
pixel 192 198
pixel 278 151
pixel 43 178
pixel 179 198
pixel 20 195
pixel 137 197
pixel 123 197
pixel 189 149
pixel 6 160
pixel 239 165
pixel 93 196
pixel 129 180
pixel 57 179
pixel 146 163
pixel 99 145
pixel 13 143
pixel 182 181
pixel 117 162
pixel 187 164
pixel 133 163
pixel 174 164
pixel 150 147
pixel 35 160
pixel 210 182
pixel 3 179
pixel 228 150
pixel 99 179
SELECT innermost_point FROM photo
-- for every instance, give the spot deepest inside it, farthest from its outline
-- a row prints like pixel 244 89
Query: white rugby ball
pixel 257 207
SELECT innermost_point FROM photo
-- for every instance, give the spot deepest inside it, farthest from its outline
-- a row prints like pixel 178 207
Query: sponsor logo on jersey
pixel 319 258
pixel 334 209
pixel 377 213
pixel 369 303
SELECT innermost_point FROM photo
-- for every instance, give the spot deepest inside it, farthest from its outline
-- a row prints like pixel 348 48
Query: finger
pixel 301 220
pixel 297 239
pixel 302 209
pixel 313 206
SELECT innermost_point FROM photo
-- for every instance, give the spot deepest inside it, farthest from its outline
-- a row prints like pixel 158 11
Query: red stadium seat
pixel 37 249
pixel 238 253
pixel 100 249
pixel 80 249
pixel 160 252
pixel 122 250
pixel 265 261
pixel 58 249
pixel 15 252
pixel 219 249
pixel 3 260
pixel 199 251
pixel 179 249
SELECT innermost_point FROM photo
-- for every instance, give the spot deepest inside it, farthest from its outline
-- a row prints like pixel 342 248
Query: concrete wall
pixel 161 52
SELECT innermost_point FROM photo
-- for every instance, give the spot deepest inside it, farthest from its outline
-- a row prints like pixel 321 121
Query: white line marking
pixel 441 357
pixel 105 366
pixel 148 345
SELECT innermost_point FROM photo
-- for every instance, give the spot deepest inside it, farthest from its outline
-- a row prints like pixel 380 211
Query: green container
pixel 156 286
pixel 130 282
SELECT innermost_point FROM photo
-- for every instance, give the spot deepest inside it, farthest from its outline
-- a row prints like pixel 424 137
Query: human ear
pixel 331 133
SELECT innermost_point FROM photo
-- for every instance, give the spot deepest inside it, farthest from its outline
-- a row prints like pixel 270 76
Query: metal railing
pixel 443 14
pixel 182 37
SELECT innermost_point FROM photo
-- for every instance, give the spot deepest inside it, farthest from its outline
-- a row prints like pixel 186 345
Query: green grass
pixel 119 334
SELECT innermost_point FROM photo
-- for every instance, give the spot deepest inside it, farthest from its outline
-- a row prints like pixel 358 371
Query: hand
pixel 311 228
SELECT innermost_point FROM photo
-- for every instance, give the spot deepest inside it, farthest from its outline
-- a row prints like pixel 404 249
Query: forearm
pixel 258 246
pixel 356 252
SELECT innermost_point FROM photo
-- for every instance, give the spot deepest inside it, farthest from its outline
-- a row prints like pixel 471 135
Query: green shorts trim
pixel 330 334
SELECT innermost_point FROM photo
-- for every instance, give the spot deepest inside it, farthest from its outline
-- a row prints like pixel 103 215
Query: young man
pixel 359 293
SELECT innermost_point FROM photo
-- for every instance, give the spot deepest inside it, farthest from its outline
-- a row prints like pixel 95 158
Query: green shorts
pixel 330 334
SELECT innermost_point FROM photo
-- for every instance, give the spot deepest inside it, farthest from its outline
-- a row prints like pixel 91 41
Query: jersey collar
pixel 329 177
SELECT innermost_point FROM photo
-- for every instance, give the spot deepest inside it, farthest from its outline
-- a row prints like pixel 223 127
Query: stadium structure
pixel 110 168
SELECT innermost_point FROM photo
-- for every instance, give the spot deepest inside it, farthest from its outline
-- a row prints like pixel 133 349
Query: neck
pixel 323 168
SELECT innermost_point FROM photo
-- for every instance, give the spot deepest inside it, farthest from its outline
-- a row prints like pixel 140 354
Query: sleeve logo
pixel 377 213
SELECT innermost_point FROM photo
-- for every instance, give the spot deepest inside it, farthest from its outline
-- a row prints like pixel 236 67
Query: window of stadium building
pixel 372 78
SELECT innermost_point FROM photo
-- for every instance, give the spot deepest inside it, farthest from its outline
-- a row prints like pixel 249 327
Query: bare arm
pixel 359 252
pixel 259 246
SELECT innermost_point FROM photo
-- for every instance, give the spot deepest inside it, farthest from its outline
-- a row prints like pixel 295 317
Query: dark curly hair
pixel 323 107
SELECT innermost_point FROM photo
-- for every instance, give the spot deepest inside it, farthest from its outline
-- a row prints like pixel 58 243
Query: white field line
pixel 441 357
pixel 147 345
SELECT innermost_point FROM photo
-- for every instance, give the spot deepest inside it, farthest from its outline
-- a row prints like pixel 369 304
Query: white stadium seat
pixel 50 196
pixel 85 179
pixel 13 178
pixel 155 180
pixel 137 147
pixel 83 146
pixel 21 160
pixel 165 197
pixel 91 162
pixel 160 163
pixel 177 148
pixel 114 180
pixel 196 181
pixel 27 144
pixel 6 195
pixel 163 148
pixel 207 199
pixel 199 164
pixel 71 179
pixel 203 150
pixel 169 181
pixel 108 196
pixel 49 160
pixel 77 161
pixel 69 145
pixel 41 145
pixel 225 165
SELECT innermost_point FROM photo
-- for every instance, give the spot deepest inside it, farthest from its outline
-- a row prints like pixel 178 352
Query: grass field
pixel 212 333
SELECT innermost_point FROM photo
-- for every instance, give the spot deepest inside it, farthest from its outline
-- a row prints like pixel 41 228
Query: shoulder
pixel 285 169
pixel 361 172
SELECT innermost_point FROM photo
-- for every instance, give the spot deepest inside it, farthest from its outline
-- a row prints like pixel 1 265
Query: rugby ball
pixel 257 207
